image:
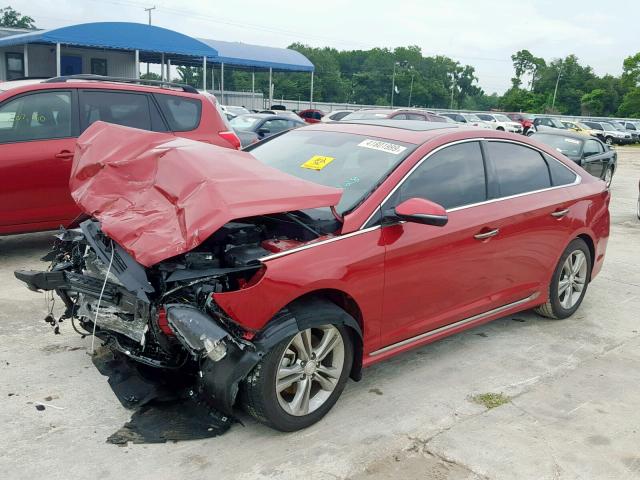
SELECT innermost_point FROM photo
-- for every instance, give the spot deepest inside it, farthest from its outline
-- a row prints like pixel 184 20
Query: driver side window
pixel 452 177
pixel 591 147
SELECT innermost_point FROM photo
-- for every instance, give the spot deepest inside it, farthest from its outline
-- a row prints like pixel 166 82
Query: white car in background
pixel 469 119
pixel 501 122
pixel 336 115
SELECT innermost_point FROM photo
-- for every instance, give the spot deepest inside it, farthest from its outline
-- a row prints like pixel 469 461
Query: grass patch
pixel 491 400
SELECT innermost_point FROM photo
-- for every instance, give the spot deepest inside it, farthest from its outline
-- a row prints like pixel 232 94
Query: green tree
pixel 11 18
pixel 630 106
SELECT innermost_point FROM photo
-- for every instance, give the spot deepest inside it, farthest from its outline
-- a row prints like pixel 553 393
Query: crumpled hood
pixel 158 195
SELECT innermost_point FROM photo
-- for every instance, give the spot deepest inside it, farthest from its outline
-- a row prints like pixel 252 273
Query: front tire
pixel 608 141
pixel 569 282
pixel 300 379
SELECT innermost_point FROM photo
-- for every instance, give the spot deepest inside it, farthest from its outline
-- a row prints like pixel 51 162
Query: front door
pixel 37 141
pixel 70 65
pixel 593 157
pixel 435 276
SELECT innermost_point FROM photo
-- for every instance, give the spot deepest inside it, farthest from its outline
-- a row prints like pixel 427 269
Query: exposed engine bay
pixel 165 315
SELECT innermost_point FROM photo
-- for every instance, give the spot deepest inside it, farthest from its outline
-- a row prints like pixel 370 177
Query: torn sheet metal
pixel 158 195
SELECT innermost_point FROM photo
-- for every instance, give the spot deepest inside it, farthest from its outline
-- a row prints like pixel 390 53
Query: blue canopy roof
pixel 153 41
pixel 257 56
pixel 118 36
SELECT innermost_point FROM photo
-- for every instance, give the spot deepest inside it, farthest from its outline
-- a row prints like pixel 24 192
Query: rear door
pixel 38 133
pixel 535 222
pixel 595 159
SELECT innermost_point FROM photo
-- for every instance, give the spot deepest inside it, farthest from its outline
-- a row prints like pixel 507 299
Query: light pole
pixel 555 91
pixel 148 10
pixel 453 86
pixel 393 82
pixel 411 87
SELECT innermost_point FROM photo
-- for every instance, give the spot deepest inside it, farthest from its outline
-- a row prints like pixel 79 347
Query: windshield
pixel 571 147
pixel 244 122
pixel 365 116
pixel 355 163
pixel 502 118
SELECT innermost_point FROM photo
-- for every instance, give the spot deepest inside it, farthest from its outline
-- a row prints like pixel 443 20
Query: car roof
pixel 26 85
pixel 19 83
pixel 563 133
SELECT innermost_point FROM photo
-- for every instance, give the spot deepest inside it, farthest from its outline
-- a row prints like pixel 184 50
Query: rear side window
pixel 452 177
pixel 121 108
pixel 182 113
pixel 519 169
pixel 560 175
pixel 37 116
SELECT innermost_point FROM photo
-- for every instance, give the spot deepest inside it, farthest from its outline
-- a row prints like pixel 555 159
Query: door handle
pixel 560 213
pixel 64 154
pixel 489 234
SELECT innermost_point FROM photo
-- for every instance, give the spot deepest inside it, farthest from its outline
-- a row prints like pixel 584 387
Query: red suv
pixel 40 121
pixel 351 244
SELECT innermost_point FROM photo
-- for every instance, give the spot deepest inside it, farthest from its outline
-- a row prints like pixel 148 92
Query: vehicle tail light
pixel 232 138
pixel 163 323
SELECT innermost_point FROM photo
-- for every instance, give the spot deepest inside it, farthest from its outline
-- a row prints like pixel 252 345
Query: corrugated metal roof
pixel 118 36
pixel 152 41
pixel 257 56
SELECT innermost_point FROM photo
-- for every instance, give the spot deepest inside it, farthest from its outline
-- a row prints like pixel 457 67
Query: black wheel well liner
pixel 592 250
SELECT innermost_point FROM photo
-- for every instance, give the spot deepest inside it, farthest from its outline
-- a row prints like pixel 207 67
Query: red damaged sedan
pixel 273 275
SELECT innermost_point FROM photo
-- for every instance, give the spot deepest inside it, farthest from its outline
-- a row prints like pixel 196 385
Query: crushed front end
pixel 162 316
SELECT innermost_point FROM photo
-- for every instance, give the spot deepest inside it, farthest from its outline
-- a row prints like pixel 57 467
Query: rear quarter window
pixel 519 169
pixel 182 113
pixel 560 174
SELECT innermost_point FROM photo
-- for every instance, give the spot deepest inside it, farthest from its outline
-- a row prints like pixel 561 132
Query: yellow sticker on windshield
pixel 317 162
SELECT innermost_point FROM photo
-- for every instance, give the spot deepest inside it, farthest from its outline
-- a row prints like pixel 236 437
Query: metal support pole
pixel 204 73
pixel 555 91
pixel 410 91
pixel 393 83
pixel 311 92
pixel 222 83
pixel 162 67
pixel 270 87
pixel 57 59
pixel 168 70
pixel 137 62
pixel 25 60
pixel 253 89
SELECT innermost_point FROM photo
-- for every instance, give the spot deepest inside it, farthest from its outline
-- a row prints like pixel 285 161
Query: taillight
pixel 232 138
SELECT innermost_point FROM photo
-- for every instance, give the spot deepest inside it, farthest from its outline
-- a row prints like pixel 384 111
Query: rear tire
pixel 313 378
pixel 608 176
pixel 569 282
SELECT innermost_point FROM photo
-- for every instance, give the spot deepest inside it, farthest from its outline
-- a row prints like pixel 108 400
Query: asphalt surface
pixel 571 392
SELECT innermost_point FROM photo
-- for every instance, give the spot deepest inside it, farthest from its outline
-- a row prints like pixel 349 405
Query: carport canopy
pixel 151 41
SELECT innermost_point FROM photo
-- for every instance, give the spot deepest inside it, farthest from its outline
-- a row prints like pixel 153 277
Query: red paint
pixel 163 323
pixel 34 175
pixel 159 196
pixel 311 115
pixel 276 245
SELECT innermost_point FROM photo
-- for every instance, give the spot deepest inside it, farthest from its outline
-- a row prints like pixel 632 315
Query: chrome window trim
pixel 577 181
pixel 451 326
pixel 364 229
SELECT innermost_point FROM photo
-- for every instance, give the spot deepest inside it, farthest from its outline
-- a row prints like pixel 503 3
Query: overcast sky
pixel 482 33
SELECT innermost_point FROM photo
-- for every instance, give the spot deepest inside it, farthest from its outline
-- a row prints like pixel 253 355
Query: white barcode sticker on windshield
pixel 382 146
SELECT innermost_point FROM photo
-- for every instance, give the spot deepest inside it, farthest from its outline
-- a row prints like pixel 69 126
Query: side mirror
pixel 419 210
pixel 263 131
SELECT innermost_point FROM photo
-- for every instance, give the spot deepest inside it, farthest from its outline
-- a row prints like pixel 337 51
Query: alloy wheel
pixel 309 369
pixel 573 279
